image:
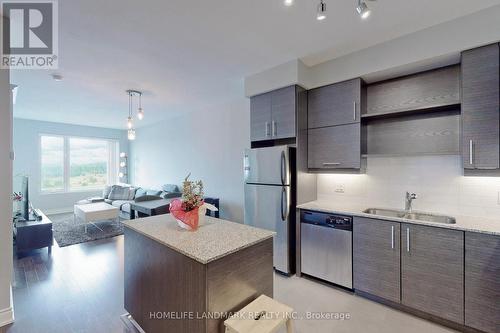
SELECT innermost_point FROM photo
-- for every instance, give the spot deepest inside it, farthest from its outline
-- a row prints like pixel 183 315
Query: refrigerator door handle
pixel 284 205
pixel 283 195
pixel 283 168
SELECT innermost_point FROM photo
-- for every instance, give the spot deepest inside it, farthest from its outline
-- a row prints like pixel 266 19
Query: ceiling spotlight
pixel 288 3
pixel 363 9
pixel 321 15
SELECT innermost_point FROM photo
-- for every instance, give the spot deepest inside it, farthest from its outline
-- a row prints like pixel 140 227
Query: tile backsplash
pixel 437 180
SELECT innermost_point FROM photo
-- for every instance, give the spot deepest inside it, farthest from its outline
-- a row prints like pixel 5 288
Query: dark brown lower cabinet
pixel 432 271
pixel 376 258
pixel 482 282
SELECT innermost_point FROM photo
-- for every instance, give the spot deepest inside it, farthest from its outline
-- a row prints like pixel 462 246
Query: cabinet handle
pixel 392 237
pixel 354 110
pixel 471 152
pixel 275 128
pixel 407 239
pixel 330 163
pixel 267 129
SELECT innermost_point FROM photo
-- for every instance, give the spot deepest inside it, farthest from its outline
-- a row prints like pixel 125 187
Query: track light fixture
pixel 321 14
pixel 363 9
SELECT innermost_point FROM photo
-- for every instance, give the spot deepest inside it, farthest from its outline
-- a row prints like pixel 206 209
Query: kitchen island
pixel 182 281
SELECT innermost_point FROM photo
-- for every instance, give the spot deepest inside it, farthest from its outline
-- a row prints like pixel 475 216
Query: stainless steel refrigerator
pixel 270 199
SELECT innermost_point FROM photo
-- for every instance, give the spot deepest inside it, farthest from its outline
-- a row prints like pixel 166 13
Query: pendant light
pixel 321 15
pixel 140 112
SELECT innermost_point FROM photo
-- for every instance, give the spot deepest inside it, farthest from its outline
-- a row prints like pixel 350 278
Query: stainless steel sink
pixel 385 212
pixel 419 216
pixel 430 218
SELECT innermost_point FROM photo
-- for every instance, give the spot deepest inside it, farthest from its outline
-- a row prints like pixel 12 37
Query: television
pixel 25 207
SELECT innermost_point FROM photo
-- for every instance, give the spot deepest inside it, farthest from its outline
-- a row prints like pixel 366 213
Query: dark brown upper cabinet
pixel 336 104
pixel 482 282
pixel 334 148
pixel 376 258
pixel 432 271
pixel 273 115
pixel 481 108
pixel 432 89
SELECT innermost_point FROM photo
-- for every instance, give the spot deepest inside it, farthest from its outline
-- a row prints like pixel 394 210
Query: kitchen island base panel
pixel 160 280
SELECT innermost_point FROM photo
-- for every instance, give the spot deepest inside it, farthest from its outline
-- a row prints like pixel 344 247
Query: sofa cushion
pixel 120 203
pixel 170 195
pixel 126 208
pixel 119 193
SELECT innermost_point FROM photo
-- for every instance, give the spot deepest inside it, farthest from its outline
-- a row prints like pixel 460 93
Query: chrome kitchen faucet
pixel 409 200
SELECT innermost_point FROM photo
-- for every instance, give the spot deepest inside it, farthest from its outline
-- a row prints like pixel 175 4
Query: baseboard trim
pixel 6 316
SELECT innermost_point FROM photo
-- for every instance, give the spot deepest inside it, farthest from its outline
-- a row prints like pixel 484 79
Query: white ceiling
pixel 188 55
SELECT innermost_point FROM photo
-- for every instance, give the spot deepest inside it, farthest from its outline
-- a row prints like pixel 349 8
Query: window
pixel 52 150
pixel 77 164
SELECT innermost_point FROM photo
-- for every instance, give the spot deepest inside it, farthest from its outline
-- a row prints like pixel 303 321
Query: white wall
pixel 26 148
pixel 441 40
pixel 6 311
pixel 208 143
pixel 437 180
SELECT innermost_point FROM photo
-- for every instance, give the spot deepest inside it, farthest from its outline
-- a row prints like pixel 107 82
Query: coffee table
pixel 150 208
pixel 91 213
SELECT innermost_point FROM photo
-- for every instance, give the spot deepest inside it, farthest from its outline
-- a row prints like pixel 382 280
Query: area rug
pixel 67 231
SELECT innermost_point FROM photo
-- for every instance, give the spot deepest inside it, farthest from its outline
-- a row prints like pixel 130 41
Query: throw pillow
pixel 140 192
pixel 119 193
pixel 131 194
pixel 153 192
pixel 105 192
pixel 170 188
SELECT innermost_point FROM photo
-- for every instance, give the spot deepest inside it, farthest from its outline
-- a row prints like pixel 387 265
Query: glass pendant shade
pixel 129 123
pixel 140 114
pixel 131 134
pixel 123 165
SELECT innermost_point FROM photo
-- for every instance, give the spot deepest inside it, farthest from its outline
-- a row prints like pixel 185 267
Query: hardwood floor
pixel 77 289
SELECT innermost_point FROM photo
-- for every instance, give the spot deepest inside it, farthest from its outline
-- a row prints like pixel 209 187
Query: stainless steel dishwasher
pixel 326 247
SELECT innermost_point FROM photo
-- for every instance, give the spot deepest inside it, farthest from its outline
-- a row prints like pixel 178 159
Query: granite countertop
pixel 465 223
pixel 213 240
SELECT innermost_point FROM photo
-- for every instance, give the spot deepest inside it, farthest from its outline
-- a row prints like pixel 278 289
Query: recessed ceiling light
pixel 288 3
pixel 363 9
pixel 321 15
pixel 57 77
